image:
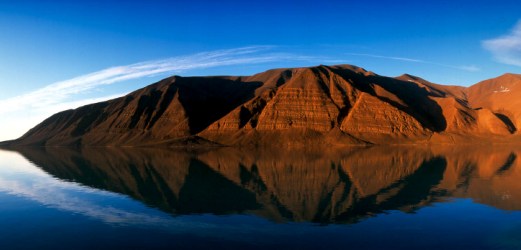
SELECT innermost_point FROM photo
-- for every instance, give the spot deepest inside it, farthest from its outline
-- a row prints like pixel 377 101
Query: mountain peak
pixel 320 105
pixel 504 78
pixel 510 75
pixel 410 78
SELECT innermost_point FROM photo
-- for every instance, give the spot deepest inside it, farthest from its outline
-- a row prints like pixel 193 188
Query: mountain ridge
pixel 321 105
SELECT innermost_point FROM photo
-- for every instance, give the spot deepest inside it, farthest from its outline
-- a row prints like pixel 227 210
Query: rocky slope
pixel 323 105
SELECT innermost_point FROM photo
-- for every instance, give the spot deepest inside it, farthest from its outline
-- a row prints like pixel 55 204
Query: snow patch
pixel 502 89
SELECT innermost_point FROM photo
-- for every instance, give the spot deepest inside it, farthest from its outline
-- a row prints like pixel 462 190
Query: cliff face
pixel 501 95
pixel 327 105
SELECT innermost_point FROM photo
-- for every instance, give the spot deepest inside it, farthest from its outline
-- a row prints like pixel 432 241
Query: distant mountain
pixel 323 105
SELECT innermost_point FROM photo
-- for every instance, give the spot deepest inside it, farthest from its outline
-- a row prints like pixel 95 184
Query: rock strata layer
pixel 323 105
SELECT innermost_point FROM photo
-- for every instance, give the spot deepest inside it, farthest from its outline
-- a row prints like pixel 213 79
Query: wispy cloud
pixel 471 68
pixel 507 48
pixel 60 91
pixel 22 112
pixel 16 123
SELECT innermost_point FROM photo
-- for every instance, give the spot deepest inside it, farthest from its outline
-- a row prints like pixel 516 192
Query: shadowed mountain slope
pixel 501 95
pixel 322 105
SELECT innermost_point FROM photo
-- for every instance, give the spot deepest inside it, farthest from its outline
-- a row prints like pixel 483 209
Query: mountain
pixel 322 105
pixel 501 94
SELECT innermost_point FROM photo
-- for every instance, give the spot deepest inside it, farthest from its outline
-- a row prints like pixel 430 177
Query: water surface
pixel 358 198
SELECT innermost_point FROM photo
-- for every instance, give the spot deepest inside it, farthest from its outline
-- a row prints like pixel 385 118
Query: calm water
pixel 360 198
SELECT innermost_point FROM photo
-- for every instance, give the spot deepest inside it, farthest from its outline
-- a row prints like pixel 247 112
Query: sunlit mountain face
pixel 260 124
pixel 323 105
pixel 263 197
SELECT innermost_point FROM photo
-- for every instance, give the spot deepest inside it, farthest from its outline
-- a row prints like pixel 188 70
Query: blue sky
pixel 56 55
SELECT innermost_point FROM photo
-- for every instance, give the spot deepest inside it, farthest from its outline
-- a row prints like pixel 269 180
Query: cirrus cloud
pixel 20 113
pixel 506 48
pixel 470 68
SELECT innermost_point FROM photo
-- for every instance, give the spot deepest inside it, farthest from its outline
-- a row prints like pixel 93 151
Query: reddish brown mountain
pixel 502 95
pixel 323 105
pixel 327 186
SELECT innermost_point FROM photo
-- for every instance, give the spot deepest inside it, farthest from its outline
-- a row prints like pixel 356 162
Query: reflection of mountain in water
pixel 325 187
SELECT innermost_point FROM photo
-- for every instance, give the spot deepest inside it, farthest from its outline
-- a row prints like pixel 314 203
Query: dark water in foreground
pixel 360 198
